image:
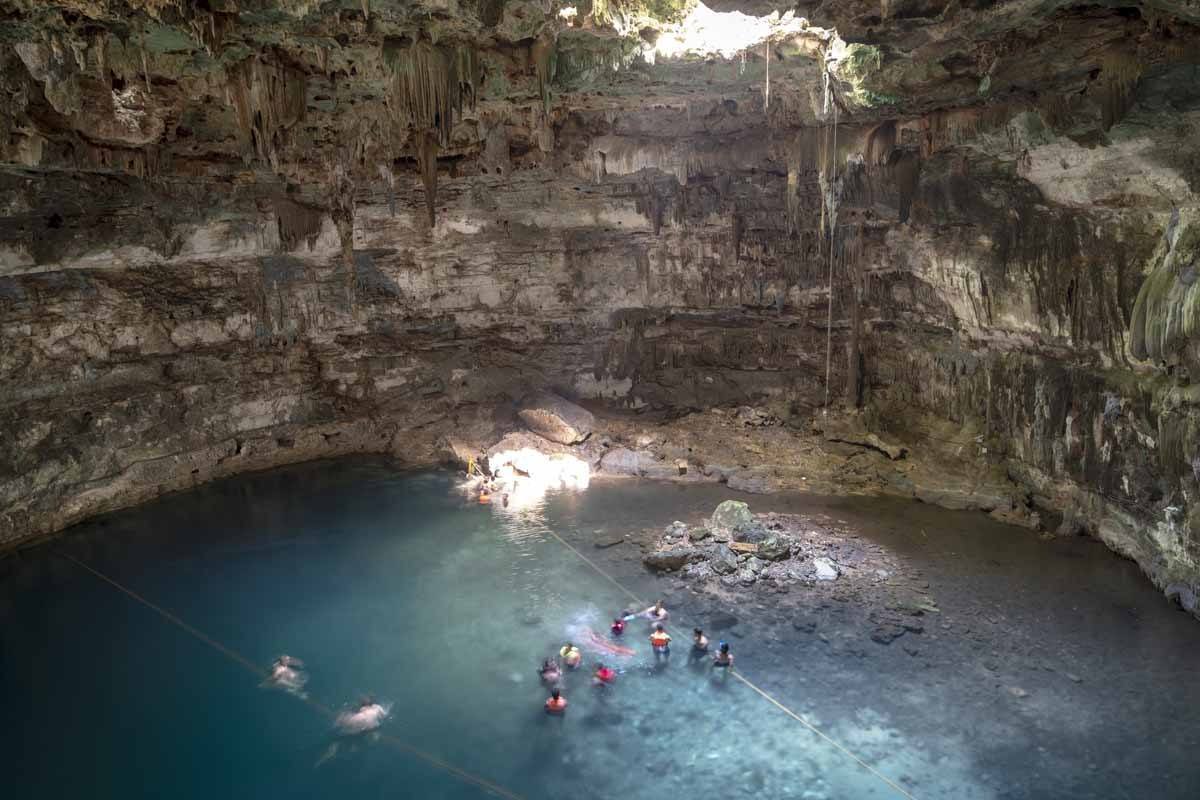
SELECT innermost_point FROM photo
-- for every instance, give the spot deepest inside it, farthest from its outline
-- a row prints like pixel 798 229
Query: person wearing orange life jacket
pixel 571 656
pixel 604 676
pixel 556 703
pixel 660 641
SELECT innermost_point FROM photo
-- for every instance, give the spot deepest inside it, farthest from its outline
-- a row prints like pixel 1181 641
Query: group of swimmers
pixel 287 673
pixel 551 672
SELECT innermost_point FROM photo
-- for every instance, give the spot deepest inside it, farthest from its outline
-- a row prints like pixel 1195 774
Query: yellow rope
pixel 757 689
pixel 253 668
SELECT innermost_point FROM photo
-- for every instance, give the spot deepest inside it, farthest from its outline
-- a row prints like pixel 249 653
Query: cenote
pixel 392 584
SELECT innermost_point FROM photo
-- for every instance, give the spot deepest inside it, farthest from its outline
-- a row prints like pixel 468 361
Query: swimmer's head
pixel 556 694
pixel 659 627
pixel 698 632
pixel 658 606
pixel 724 647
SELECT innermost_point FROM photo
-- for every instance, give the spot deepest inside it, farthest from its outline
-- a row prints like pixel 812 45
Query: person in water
pixel 656 613
pixel 550 673
pixel 618 626
pixel 660 641
pixel 604 675
pixel 286 674
pixel 556 703
pixel 367 716
pixel 699 644
pixel 571 656
pixel 723 659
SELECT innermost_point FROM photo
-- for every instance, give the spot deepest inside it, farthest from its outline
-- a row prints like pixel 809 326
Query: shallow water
pixel 390 584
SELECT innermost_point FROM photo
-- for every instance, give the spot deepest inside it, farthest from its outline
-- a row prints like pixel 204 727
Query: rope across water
pixel 251 667
pixel 748 683
pixel 461 774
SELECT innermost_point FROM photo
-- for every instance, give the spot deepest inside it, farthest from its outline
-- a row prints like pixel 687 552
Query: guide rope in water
pixel 255 669
pixel 746 681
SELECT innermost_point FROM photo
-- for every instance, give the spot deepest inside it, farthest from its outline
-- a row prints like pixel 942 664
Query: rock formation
pixel 240 233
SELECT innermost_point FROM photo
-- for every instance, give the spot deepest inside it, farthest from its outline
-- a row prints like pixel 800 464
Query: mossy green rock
pixel 731 515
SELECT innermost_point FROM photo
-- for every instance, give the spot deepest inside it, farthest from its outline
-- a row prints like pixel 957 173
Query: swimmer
pixel 699 643
pixel 656 613
pixel 556 703
pixel 550 673
pixel 660 641
pixel 618 626
pixel 723 659
pixel 286 674
pixel 604 675
pixel 571 656
pixel 366 717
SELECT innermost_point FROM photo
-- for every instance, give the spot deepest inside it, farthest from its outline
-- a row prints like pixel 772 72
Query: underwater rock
pixel 557 419
pixel 886 634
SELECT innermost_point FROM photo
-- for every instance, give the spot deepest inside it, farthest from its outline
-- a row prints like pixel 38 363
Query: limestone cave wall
pixel 235 235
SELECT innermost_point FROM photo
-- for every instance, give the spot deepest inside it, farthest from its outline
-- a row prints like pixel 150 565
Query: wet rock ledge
pixel 736 554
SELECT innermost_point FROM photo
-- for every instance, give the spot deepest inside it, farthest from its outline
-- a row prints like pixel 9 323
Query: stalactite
pixel 296 223
pixel 1119 75
pixel 269 98
pixel 767 84
pixel 427 152
pixel 907 173
pixel 544 54
pixel 431 84
pixel 738 226
pixel 389 179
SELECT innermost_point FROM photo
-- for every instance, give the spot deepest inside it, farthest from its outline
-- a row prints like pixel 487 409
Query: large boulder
pixel 730 516
pixel 556 419
pixel 672 559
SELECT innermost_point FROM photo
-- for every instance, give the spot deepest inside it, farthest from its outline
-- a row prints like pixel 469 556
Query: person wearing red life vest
pixel 556 703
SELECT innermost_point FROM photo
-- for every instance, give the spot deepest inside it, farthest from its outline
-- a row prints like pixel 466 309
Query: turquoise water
pixel 390 584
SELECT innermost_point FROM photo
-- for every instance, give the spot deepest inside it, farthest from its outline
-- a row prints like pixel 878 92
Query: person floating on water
pixel 287 674
pixel 571 656
pixel 618 626
pixel 556 703
pixel 366 716
pixel 723 659
pixel 550 673
pixel 660 641
pixel 604 676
